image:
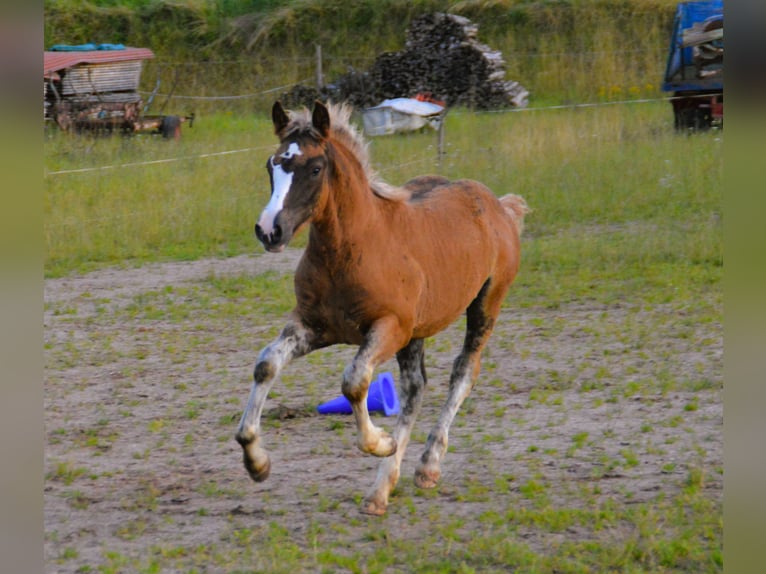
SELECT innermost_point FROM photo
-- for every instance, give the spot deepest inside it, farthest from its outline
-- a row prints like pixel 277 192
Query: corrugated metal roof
pixel 55 61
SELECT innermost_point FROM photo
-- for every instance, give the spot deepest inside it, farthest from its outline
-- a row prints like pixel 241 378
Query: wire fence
pixel 112 218
pixel 249 86
pixel 582 105
pixel 152 162
pixel 62 226
pixel 250 83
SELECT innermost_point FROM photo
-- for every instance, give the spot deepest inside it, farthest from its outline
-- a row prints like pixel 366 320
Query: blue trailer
pixel 694 72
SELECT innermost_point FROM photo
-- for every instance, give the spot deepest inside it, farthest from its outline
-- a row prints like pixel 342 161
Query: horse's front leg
pixel 381 342
pixel 294 341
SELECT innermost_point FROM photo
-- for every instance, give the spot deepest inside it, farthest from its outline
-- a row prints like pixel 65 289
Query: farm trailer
pixel 694 72
pixel 95 88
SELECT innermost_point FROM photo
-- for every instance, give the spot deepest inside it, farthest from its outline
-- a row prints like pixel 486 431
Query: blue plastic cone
pixel 381 396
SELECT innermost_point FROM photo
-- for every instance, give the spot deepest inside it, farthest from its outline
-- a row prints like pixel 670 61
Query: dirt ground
pixel 140 416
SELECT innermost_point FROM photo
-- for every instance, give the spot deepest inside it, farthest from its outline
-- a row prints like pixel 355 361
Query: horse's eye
pixel 316 171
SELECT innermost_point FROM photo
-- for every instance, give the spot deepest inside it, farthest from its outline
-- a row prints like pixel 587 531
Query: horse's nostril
pixel 274 237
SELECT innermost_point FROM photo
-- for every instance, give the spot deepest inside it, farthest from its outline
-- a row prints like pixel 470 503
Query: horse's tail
pixel 516 208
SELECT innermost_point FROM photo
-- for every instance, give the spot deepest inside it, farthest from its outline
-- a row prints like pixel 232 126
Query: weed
pixel 77 499
pixel 66 473
pixel 132 529
pixel 68 553
pixel 631 458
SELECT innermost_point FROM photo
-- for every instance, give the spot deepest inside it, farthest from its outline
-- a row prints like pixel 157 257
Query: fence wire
pixel 243 150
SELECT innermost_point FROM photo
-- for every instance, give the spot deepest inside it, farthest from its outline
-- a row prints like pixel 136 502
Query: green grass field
pixel 618 198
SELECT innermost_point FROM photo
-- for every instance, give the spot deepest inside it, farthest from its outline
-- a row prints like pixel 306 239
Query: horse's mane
pixel 343 131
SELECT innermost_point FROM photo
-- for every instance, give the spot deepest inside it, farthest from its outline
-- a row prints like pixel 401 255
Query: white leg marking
pixel 292 342
pixel 412 389
pixel 357 376
pixel 428 470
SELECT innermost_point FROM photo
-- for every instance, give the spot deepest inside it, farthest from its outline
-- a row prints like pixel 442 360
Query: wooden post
pixel 440 145
pixel 320 79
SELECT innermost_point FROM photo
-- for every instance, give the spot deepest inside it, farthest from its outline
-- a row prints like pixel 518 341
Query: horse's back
pixel 459 235
pixel 463 206
pixel 420 187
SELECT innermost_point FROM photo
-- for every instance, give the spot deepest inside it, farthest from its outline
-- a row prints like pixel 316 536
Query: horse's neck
pixel 348 211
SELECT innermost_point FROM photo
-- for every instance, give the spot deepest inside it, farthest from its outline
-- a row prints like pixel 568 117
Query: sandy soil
pixel 140 417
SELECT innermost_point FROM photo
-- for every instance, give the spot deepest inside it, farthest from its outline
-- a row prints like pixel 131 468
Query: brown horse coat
pixel 384 269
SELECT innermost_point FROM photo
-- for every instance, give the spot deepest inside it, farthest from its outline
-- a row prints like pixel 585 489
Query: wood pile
pixel 441 57
pixel 706 41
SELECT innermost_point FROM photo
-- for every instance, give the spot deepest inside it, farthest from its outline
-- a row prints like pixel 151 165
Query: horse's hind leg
pixel 481 315
pixel 294 341
pixel 412 384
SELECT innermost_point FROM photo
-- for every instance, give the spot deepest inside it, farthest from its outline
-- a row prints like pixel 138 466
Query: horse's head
pixel 297 174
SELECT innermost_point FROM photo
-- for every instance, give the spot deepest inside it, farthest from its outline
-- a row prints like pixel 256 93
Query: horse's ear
pixel 279 117
pixel 320 118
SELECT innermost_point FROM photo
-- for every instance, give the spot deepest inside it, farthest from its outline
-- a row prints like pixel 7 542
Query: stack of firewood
pixel 442 57
pixel 706 42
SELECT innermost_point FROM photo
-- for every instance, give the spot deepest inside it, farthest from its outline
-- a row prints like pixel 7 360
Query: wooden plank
pixel 695 36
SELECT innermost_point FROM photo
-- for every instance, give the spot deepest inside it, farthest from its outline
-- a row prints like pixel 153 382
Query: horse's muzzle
pixel 271 241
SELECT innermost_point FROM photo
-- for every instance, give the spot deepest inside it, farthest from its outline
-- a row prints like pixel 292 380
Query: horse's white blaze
pixel 282 182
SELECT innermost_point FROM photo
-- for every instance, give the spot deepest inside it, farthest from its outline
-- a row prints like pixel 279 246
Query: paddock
pixel 593 437
pixel 145 382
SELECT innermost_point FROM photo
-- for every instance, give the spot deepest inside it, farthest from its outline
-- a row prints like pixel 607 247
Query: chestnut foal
pixel 384 268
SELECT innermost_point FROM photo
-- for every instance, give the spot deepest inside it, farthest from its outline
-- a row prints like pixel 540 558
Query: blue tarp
pixel 688 14
pixel 85 47
pixel 692 12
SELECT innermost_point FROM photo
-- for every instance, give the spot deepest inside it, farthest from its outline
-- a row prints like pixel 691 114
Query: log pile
pixel 442 57
pixel 706 41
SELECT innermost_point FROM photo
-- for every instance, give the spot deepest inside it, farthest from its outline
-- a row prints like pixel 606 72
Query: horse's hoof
pixel 258 472
pixel 256 460
pixel 372 507
pixel 427 478
pixel 386 446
